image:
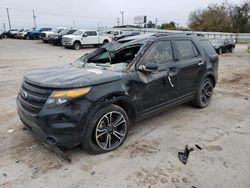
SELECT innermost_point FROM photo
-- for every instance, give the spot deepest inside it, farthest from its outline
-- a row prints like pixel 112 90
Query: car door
pixel 91 37
pixel 190 64
pixel 156 89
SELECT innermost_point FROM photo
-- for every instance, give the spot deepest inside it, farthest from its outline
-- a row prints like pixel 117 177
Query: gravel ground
pixel 148 158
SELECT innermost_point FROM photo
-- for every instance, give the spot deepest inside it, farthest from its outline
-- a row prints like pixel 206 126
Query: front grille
pixel 65 39
pixel 32 97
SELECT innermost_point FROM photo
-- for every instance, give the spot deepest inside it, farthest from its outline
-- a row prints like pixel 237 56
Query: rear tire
pixel 77 45
pixel 219 51
pixel 204 94
pixel 231 50
pixel 106 131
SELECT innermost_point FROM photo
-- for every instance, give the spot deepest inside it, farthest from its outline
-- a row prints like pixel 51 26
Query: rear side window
pixel 207 47
pixel 186 49
pixel 91 33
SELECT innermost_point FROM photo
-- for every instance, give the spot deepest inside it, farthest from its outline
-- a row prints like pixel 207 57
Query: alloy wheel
pixel 111 130
pixel 207 92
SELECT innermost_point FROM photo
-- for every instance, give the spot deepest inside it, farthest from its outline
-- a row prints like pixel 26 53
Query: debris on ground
pixel 92 173
pixel 197 146
pixel 183 156
pixel 10 130
pixel 24 128
pixel 4 174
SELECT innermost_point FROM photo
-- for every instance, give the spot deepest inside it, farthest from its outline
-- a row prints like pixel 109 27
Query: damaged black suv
pixel 93 101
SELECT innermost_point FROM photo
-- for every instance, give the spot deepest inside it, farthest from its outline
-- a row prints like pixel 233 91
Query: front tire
pixel 106 131
pixel 231 50
pixel 77 45
pixel 204 94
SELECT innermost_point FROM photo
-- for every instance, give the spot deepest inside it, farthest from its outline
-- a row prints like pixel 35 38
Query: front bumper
pixel 58 126
pixel 68 43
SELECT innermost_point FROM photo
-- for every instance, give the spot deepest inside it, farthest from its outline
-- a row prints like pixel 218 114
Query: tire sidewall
pixel 198 100
pixel 88 143
pixel 75 45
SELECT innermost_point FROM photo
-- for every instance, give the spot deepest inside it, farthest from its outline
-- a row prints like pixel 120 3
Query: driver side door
pixel 158 88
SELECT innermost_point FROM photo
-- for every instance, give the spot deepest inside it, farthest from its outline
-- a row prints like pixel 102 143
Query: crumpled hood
pixel 70 76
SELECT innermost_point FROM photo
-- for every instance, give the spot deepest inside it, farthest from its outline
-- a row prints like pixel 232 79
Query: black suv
pixel 56 38
pixel 93 101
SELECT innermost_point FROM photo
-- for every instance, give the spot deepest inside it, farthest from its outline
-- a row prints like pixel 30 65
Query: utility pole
pixel 156 20
pixel 8 18
pixel 122 12
pixel 118 21
pixel 34 17
pixel 74 24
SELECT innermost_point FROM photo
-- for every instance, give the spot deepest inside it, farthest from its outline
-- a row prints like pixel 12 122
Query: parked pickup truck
pixel 85 37
pixel 35 33
pixel 45 34
pixel 22 34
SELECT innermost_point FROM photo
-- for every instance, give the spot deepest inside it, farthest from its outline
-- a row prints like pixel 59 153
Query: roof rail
pixel 182 34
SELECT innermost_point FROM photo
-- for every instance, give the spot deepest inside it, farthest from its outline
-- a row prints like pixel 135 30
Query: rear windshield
pixel 207 47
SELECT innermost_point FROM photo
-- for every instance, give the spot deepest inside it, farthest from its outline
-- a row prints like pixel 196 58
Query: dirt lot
pixel 149 156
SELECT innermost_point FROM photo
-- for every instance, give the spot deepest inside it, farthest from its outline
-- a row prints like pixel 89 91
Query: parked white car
pixel 45 34
pixel 22 34
pixel 85 37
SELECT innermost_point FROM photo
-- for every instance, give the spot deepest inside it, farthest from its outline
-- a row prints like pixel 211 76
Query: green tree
pixel 214 18
pixel 169 26
pixel 240 15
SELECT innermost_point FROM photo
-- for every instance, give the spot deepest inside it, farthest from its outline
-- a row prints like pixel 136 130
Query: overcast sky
pixel 88 13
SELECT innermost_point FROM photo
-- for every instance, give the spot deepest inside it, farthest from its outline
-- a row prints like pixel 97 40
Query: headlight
pixel 62 97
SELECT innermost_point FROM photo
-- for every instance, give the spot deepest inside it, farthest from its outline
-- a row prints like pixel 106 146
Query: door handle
pixel 201 63
pixel 170 81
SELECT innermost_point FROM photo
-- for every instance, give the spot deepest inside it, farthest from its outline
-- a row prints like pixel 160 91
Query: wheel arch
pixel 122 101
pixel 77 41
pixel 211 77
pixel 105 41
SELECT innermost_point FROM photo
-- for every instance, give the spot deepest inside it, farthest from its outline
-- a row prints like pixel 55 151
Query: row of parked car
pixel 73 38
pixel 70 38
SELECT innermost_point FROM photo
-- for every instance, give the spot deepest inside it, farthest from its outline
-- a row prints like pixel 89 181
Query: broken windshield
pixel 113 56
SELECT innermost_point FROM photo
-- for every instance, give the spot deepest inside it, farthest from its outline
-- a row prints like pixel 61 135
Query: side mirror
pixel 84 35
pixel 150 68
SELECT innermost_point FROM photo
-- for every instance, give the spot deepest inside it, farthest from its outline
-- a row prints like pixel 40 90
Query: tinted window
pixel 207 47
pixel 186 49
pixel 91 33
pixel 159 53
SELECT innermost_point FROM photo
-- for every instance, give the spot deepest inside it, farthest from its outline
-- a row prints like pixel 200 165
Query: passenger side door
pixel 191 66
pixel 156 89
